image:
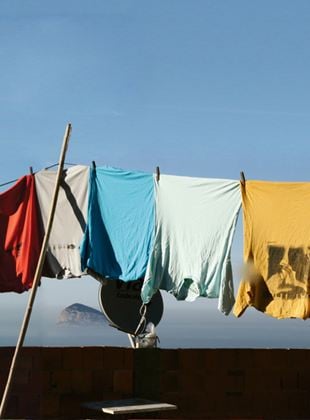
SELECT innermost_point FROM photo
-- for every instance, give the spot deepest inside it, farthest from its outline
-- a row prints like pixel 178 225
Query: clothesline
pixel 157 170
pixel 175 232
pixel 31 171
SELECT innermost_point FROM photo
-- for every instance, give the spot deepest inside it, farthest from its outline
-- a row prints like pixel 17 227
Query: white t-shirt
pixel 63 257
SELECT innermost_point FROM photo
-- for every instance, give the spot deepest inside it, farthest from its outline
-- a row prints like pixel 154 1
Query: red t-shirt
pixel 20 236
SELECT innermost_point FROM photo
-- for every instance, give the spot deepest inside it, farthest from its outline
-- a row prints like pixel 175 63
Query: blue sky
pixel 200 88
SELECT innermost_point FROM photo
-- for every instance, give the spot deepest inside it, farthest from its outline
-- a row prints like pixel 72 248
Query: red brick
pixel 279 358
pixel 298 404
pixel 40 380
pixel 6 355
pixel 111 395
pixel 61 381
pixel 214 382
pixel 250 383
pixel 81 381
pixel 12 407
pixel 194 404
pixel 102 380
pixel 123 381
pixel 210 359
pixel 92 357
pixel 113 357
pixel 298 358
pixel 128 355
pixel 36 353
pixel 49 405
pixel 177 398
pixel 3 380
pixel 191 381
pixel 191 359
pixel 51 358
pixel 304 353
pixel 70 406
pixel 289 379
pixel 173 414
pixel 304 379
pixel 87 413
pixel 222 359
pixel 169 359
pixel 278 403
pixel 261 380
pixel 245 404
pixel 170 381
pixel 262 359
pixel 233 404
pixel 171 397
pixel 21 377
pixel 245 358
pixel 235 380
pixel 29 405
pixel 4 371
pixel 228 358
pixel 25 358
pixel 72 358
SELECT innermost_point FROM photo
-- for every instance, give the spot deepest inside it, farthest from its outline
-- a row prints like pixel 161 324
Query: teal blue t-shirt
pixel 120 225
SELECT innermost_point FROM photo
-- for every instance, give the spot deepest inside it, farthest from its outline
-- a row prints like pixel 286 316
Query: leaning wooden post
pixel 38 272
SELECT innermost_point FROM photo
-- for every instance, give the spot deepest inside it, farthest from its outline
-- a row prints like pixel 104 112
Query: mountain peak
pixel 79 314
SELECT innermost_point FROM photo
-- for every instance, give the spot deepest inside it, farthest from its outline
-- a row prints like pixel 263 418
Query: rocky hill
pixel 78 314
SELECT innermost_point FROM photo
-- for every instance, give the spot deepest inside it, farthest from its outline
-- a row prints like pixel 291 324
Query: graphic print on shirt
pixel 288 272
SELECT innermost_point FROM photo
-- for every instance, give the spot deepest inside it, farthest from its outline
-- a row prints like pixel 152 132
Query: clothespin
pixel 157 173
pixel 94 164
pixel 242 179
pixel 30 170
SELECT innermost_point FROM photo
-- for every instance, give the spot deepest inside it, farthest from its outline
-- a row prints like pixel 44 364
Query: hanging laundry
pixel 120 225
pixel 20 236
pixel 195 223
pixel 276 249
pixel 63 255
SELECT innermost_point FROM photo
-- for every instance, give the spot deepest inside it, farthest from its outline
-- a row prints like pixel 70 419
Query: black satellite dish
pixel 121 303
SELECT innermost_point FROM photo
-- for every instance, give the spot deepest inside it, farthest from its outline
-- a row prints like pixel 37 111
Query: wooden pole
pixel 38 272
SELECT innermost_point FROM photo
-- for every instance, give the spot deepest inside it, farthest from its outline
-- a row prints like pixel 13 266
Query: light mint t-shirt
pixel 195 223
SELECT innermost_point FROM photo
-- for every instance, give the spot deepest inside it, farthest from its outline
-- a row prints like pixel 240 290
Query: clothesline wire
pixel 56 164
pixel 9 182
pixel 48 167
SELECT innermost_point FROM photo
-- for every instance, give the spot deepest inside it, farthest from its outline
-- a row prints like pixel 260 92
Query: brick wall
pixel 204 383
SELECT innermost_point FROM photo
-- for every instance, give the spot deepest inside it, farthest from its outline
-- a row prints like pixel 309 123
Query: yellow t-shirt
pixel 276 220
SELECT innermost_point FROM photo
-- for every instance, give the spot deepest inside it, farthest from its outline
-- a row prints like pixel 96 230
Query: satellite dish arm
pixel 142 324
